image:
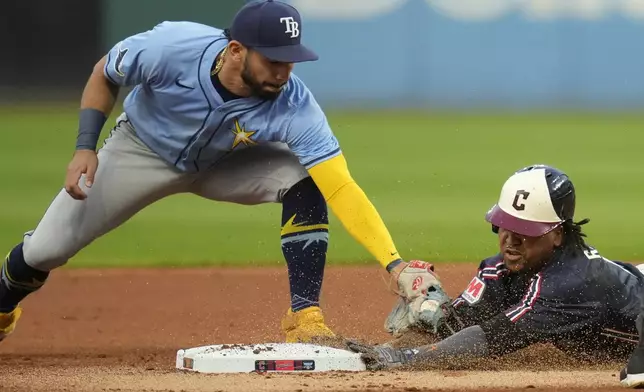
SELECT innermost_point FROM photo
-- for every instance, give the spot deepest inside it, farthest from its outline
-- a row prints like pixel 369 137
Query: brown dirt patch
pixel 119 330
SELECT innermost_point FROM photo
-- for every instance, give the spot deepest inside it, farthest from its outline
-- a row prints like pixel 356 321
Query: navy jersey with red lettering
pixel 581 302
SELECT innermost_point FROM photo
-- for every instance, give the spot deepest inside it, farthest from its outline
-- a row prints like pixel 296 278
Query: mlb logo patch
pixel 474 291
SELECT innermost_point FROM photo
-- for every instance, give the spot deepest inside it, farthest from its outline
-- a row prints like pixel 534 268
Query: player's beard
pixel 257 88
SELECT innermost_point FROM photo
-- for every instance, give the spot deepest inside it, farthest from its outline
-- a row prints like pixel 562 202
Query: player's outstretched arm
pixel 309 136
pixel 361 219
pixel 352 207
pixel 97 102
pixel 469 343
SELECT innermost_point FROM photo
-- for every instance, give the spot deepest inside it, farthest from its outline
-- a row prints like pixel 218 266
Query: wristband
pixel 393 264
pixel 90 124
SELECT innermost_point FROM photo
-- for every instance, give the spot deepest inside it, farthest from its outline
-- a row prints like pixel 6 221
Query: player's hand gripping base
pixel 83 162
pixel 421 299
pixel 381 357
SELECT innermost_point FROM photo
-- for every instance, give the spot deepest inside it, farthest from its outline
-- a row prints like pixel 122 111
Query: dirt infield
pixel 119 330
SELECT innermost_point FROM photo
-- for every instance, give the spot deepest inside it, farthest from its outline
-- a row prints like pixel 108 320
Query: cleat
pixel 305 326
pixel 8 322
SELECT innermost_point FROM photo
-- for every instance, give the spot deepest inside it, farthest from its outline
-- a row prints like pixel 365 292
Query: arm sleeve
pixel 137 59
pixel 544 314
pixel 312 141
pixel 352 207
pixel 469 342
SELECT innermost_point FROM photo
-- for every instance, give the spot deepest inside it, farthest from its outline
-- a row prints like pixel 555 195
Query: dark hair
pixel 573 236
pixel 229 38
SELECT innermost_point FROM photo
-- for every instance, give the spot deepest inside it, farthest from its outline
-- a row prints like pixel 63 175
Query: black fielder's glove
pixel 381 357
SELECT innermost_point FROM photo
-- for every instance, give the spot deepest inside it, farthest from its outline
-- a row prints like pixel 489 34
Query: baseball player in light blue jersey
pixel 216 113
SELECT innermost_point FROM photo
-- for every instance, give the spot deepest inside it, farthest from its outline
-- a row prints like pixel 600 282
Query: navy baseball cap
pixel 272 28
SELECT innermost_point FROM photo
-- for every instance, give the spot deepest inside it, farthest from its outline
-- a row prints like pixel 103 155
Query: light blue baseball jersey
pixel 177 112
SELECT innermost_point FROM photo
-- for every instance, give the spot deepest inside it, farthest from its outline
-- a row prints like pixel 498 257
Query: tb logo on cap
pixel 292 27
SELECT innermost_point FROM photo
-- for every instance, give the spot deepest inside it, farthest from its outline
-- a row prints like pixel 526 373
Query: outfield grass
pixel 432 177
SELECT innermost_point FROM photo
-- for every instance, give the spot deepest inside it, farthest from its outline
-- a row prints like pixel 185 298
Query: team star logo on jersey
pixel 242 136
